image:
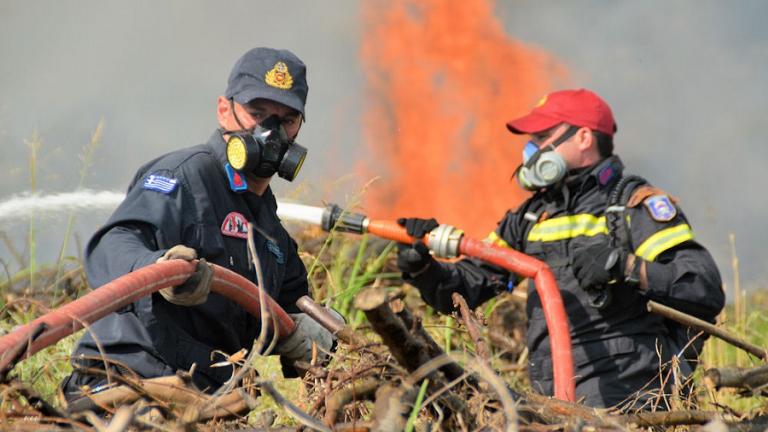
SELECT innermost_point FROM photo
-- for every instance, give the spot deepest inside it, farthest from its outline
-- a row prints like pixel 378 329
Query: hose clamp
pixel 444 241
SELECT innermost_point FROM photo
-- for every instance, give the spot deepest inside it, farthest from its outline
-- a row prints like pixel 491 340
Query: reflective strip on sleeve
pixel 495 240
pixel 567 227
pixel 663 240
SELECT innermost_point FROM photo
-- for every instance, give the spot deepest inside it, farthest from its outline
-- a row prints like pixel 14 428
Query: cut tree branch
pixel 691 321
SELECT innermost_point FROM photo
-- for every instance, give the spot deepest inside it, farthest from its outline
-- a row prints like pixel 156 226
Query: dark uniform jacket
pixel 186 197
pixel 615 349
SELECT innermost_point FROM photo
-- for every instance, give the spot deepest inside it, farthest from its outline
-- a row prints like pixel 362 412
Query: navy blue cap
pixel 267 73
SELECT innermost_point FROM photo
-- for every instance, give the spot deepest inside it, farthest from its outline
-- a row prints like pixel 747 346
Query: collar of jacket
pixel 604 173
pixel 219 147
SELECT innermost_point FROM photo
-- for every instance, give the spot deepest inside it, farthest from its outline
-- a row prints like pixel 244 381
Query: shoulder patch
pixel 160 183
pixel 235 225
pixel 641 193
pixel 661 208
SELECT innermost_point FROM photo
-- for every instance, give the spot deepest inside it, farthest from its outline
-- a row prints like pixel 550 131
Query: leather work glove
pixel 195 289
pixel 298 345
pixel 179 252
pixel 417 227
pixel 598 265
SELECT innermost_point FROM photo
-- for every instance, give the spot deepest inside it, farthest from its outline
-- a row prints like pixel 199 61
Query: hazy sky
pixel 686 80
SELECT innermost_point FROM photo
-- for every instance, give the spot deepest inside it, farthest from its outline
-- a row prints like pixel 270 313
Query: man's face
pixel 569 149
pixel 256 111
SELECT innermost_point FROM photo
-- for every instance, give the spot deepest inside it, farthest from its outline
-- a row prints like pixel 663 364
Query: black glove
pixel 414 258
pixel 598 265
pixel 416 227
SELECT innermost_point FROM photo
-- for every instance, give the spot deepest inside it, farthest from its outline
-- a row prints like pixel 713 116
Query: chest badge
pixel 235 225
pixel 236 181
pixel 606 175
pixel 661 208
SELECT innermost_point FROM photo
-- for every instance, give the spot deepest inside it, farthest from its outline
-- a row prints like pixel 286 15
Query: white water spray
pixel 54 206
pixel 24 206
pixel 300 213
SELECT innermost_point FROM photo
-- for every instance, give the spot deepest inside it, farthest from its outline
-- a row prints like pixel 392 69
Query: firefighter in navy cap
pixel 196 203
pixel 613 242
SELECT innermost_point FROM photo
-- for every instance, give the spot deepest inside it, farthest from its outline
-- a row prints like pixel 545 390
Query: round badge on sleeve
pixel 661 208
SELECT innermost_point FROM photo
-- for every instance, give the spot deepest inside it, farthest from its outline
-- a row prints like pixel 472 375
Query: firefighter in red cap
pixel 613 242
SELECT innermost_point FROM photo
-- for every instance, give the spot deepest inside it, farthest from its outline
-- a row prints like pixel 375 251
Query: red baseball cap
pixel 579 107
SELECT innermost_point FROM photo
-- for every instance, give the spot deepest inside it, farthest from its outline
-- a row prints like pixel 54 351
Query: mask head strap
pixel 234 114
pixel 571 131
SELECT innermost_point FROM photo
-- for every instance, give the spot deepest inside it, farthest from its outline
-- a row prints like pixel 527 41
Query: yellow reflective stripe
pixel 494 239
pixel 663 240
pixel 566 227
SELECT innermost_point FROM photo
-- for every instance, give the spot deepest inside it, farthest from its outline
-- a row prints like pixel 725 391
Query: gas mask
pixel 542 167
pixel 265 150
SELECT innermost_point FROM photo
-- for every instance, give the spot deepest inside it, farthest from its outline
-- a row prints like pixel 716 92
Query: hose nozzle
pixel 334 217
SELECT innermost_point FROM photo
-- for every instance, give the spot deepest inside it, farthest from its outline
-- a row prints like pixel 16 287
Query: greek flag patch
pixel 160 184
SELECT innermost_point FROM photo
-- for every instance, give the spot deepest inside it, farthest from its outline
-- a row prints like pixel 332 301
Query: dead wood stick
pixel 472 326
pixel 86 402
pixel 95 421
pixel 409 351
pixel 451 370
pixel 749 379
pixel 669 418
pixel 548 410
pixel 553 411
pixel 683 318
pixel 121 420
pixel 335 402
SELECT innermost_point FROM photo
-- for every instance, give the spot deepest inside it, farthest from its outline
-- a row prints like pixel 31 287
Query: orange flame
pixel 442 80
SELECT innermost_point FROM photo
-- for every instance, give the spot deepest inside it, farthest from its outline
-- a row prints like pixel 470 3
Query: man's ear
pixel 223 112
pixel 585 138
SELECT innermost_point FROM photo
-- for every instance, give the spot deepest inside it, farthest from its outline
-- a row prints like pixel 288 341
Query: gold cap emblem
pixel 541 102
pixel 279 77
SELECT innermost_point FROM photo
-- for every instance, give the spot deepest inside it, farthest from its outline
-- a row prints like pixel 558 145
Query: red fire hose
pixel 523 265
pixel 97 304
pixel 129 288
